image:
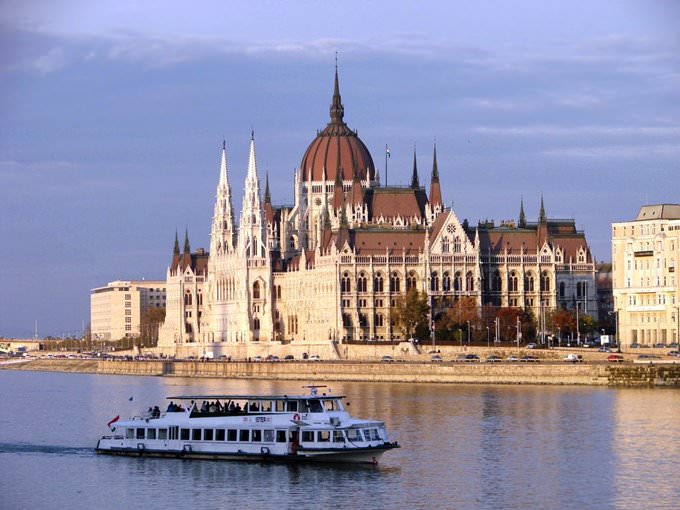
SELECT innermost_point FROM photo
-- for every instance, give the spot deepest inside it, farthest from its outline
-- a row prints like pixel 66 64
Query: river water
pixel 486 447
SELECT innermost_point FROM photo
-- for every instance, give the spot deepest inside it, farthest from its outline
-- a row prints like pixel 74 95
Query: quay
pixel 648 375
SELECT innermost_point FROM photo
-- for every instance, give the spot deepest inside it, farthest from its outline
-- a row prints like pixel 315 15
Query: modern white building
pixel 645 255
pixel 116 310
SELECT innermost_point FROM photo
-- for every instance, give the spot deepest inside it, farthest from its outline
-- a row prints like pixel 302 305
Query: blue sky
pixel 112 115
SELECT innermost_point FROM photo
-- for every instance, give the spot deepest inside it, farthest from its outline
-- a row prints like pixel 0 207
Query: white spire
pixel 252 234
pixel 222 231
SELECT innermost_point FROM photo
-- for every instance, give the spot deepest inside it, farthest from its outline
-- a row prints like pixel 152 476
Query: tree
pixel 150 323
pixel 564 320
pixel 411 312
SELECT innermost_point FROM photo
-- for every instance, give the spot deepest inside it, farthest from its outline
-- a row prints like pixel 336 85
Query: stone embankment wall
pixel 413 372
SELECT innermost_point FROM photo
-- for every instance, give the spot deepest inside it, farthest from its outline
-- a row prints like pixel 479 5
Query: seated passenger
pixel 171 407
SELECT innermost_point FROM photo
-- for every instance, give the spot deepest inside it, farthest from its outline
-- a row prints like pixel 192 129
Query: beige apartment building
pixel 645 253
pixel 116 310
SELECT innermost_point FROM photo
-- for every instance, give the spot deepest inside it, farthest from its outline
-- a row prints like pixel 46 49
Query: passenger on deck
pixel 213 408
pixel 171 407
pixel 156 413
pixel 232 407
pixel 204 407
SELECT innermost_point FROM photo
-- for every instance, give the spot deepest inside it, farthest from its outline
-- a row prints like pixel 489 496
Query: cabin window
pixel 195 434
pixel 323 436
pixel 130 433
pixel 313 406
pixel 292 406
pixel 266 406
pixel 268 436
pixel 208 435
pixel 280 406
pixel 256 436
pixel 244 435
pixel 232 435
pixel 140 433
pixel 151 434
pixel 254 407
pixel 184 434
pixel 219 435
pixel 308 436
pixel 330 405
pixel 338 436
pixel 280 436
pixel 162 434
pixel 174 433
pixel 372 435
pixel 354 435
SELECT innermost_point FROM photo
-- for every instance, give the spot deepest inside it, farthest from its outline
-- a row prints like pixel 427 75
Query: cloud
pixel 617 151
pixel 570 131
pixel 52 61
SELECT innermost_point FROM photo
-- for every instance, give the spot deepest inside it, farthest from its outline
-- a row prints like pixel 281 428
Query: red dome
pixel 337 146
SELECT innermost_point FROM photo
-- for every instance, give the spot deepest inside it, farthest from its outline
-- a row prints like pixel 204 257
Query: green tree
pixel 410 314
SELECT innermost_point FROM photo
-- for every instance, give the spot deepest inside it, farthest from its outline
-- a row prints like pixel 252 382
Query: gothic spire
pixel 267 195
pixel 541 215
pixel 337 110
pixel 414 178
pixel 522 223
pixel 435 189
pixel 187 249
pixel 175 250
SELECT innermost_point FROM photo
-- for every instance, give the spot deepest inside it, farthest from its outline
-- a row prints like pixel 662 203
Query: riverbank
pixel 582 374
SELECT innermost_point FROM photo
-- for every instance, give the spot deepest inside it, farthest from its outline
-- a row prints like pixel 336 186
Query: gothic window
pixel 457 282
pixel 256 290
pixel 346 320
pixel 256 323
pixel 446 282
pixel 445 245
pixel 529 282
pixel 469 282
pixel 345 284
pixel 379 320
pixel 199 298
pixel 187 299
pixel 581 289
pixel 496 281
pixel 512 282
pixel 395 283
pixel 411 281
pixel 434 282
pixel 361 282
pixel 545 282
pixel 378 283
pixel 456 245
pixel 363 320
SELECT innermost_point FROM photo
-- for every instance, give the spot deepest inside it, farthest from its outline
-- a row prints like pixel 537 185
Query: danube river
pixel 494 447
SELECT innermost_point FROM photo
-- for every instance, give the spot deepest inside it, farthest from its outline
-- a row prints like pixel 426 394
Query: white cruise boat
pixel 229 427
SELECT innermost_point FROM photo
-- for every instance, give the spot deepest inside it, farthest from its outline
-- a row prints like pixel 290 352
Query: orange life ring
pixel 296 417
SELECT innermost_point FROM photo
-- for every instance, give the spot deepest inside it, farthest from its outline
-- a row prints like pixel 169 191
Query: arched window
pixel 395 284
pixel 187 299
pixel 469 282
pixel 361 283
pixel 199 298
pixel 456 245
pixel 256 323
pixel 563 289
pixel 346 320
pixel 378 283
pixel 512 282
pixel 529 282
pixel 545 281
pixel 581 289
pixel 411 281
pixel 496 281
pixel 256 290
pixel 446 282
pixel 457 282
pixel 434 282
pixel 379 320
pixel 445 245
pixel 345 284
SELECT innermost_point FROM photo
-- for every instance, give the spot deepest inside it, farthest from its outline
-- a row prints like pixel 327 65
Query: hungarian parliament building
pixel 333 265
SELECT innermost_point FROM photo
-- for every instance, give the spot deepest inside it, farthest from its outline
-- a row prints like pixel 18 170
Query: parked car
pixel 604 349
pixel 512 358
pixel 674 353
pixel 472 358
pixel 436 358
pixel 529 359
pixel 387 359
pixel 574 358
pixel 461 358
pixel 289 357
pixel 257 359
pixel 272 358
pixel 615 358
pixel 314 357
pixel 532 346
pixel 648 357
pixel 634 345
pixel 660 346
pixel 493 359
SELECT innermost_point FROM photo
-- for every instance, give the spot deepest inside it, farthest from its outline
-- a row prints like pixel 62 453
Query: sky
pixel 112 116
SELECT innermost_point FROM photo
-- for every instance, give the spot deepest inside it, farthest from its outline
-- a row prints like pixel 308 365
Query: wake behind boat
pixel 229 427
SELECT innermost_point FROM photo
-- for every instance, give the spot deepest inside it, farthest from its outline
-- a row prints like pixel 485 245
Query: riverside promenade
pixel 543 373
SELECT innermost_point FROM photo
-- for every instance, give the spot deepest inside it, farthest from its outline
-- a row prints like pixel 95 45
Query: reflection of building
pixel 333 264
pixel 645 253
pixel 117 309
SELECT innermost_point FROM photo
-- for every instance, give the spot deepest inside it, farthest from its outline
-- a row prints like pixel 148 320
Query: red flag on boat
pixel 113 421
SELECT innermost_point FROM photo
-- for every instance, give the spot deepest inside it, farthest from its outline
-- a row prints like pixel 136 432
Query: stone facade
pixel 645 255
pixel 331 266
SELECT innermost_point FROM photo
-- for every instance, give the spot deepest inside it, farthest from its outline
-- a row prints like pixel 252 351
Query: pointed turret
pixel 541 215
pixel 435 189
pixel 268 209
pixel 414 177
pixel 337 110
pixel 222 229
pixel 175 250
pixel 338 192
pixel 357 199
pixel 522 223
pixel 252 236
pixel 187 248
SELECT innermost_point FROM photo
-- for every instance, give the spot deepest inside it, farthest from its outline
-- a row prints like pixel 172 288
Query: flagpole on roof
pixel 387 155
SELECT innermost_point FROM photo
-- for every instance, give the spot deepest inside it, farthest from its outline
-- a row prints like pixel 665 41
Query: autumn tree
pixel 150 323
pixel 410 313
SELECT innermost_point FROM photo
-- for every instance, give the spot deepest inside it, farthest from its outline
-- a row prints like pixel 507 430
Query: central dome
pixel 337 147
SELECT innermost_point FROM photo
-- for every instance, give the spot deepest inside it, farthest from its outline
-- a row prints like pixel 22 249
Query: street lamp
pixel 488 338
pixel 468 332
